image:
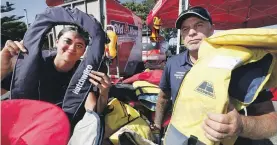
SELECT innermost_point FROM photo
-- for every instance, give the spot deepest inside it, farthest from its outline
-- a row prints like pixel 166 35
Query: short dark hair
pixel 78 30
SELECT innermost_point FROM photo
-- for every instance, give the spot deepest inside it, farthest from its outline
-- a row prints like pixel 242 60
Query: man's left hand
pixel 218 127
pixel 102 81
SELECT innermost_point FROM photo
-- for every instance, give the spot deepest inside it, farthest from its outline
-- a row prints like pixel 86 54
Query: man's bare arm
pixel 263 125
pixel 162 105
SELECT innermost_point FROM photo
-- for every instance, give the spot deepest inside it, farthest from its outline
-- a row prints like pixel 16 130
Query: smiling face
pixel 70 46
pixel 193 31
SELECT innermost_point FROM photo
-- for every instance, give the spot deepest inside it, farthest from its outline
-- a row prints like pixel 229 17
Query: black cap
pixel 193 11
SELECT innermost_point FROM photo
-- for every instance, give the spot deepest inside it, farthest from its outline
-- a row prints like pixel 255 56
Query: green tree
pixel 140 9
pixel 168 33
pixel 11 27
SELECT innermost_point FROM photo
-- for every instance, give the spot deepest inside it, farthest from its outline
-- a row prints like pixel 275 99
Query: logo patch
pixel 82 80
pixel 122 28
pixel 180 75
pixel 206 88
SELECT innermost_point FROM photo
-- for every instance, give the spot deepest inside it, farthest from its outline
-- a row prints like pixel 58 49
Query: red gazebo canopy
pixel 167 10
pixel 226 14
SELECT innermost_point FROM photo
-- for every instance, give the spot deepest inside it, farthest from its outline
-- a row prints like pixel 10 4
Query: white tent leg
pixel 117 62
pixel 181 3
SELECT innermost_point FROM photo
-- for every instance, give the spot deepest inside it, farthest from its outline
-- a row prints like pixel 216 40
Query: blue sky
pixel 37 6
pixel 33 7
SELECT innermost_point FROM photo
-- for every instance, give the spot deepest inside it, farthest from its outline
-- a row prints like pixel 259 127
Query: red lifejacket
pixel 274 93
pixel 153 76
pixel 30 122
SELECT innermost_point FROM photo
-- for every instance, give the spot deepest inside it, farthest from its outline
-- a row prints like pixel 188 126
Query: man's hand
pixel 155 127
pixel 8 53
pixel 12 48
pixel 103 83
pixel 218 127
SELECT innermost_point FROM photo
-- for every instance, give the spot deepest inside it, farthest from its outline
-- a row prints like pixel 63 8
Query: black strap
pixel 192 140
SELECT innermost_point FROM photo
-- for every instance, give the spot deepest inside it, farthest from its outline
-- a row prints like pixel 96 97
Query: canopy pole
pixel 181 3
pixel 186 4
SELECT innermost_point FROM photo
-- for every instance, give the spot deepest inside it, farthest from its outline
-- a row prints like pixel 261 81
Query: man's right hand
pixel 155 127
pixel 11 49
pixel 8 53
pixel 156 130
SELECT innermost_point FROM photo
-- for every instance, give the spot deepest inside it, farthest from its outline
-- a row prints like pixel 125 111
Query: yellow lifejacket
pixel 110 48
pixel 147 94
pixel 155 34
pixel 122 115
pixel 144 87
pixel 237 63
